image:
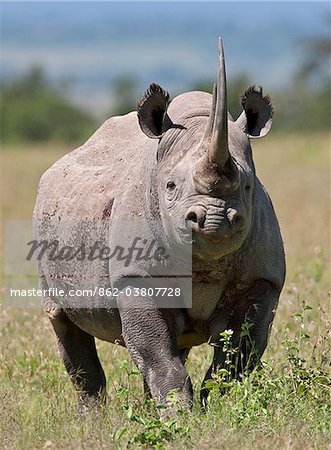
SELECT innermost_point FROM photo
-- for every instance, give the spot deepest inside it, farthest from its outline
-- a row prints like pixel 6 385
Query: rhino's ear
pixel 152 112
pixel 256 119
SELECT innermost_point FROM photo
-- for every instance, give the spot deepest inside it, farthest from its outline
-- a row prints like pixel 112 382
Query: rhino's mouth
pixel 211 245
pixel 216 233
pixel 213 234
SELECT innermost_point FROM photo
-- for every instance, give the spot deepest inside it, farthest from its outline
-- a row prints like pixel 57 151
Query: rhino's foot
pixel 175 404
pixel 91 404
pixel 172 390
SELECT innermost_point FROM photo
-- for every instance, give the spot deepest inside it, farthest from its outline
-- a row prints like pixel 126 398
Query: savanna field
pixel 285 405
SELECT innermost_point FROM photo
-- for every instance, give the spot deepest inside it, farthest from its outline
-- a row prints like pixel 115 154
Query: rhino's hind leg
pixel 251 326
pixel 79 355
pixel 250 323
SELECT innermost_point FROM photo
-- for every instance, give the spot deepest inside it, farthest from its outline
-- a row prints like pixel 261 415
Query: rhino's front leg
pixel 250 322
pixel 183 354
pixel 152 345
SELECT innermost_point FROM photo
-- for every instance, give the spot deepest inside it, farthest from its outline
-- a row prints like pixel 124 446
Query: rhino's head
pixel 204 178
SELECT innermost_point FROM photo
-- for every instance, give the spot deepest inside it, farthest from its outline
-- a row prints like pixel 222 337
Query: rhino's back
pixel 84 183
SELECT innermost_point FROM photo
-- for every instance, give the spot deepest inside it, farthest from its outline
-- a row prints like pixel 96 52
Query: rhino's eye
pixel 171 185
pixel 247 188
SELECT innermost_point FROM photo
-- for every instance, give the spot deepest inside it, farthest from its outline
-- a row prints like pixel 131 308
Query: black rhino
pixel 187 165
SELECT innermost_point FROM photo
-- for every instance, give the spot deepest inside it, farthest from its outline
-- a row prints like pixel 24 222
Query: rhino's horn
pixel 209 129
pixel 217 129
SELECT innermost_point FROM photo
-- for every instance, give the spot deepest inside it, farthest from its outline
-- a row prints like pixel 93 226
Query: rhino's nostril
pixel 237 220
pixel 192 216
pixel 195 216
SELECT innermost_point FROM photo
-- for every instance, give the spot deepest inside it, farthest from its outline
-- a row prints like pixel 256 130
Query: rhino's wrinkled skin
pixel 185 161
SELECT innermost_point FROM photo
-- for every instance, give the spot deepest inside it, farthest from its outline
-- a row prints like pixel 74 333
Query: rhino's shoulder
pixel 114 140
pixel 83 182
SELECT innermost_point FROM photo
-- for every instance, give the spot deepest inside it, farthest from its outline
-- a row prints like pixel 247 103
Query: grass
pixel 285 405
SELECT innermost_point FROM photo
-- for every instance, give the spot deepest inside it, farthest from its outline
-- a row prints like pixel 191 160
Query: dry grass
pixel 37 404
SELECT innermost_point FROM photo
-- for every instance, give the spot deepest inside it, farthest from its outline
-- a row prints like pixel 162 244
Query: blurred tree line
pixel 31 110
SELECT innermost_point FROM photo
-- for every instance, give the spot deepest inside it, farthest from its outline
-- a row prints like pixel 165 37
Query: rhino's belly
pixel 104 324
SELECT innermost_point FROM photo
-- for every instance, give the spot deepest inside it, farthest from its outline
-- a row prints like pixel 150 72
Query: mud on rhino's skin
pixel 188 165
pixel 106 213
